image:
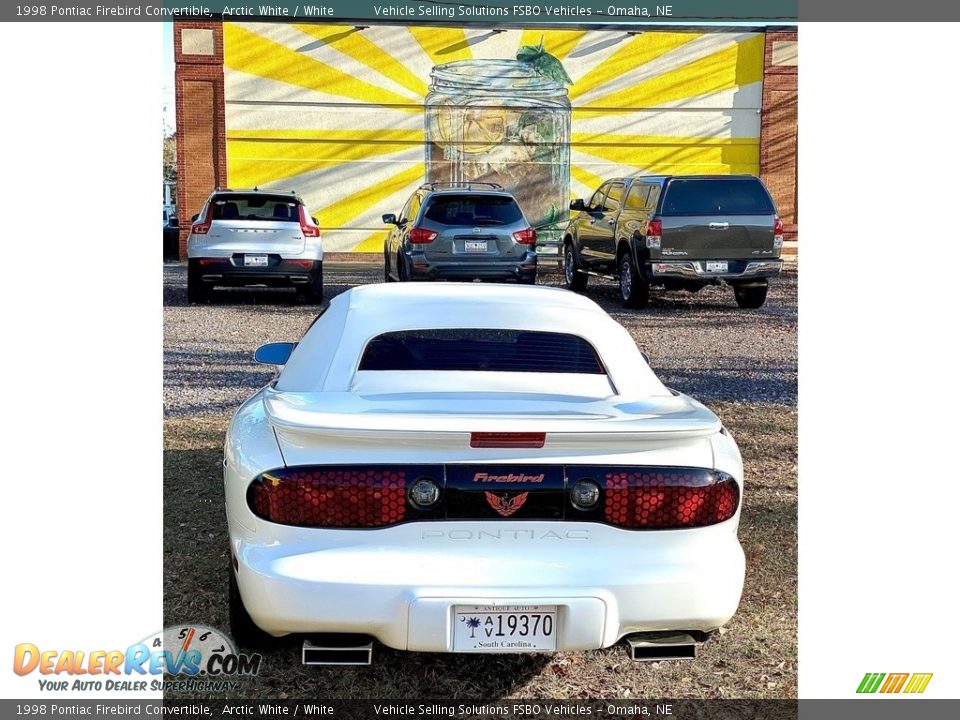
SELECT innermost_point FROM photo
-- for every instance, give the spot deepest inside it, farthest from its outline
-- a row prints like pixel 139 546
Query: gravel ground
pixel 700 344
pixel 743 364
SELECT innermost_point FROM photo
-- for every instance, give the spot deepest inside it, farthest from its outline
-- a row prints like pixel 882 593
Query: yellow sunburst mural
pixel 355 119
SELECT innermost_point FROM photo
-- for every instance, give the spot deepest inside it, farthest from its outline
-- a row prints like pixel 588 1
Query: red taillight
pixel 306 224
pixel 202 225
pixel 526 237
pixel 654 233
pixel 421 236
pixel 299 264
pixel 778 227
pixel 665 499
pixel 507 439
pixel 330 497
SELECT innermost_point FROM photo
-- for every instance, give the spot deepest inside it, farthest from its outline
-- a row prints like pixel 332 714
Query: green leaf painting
pixel 544 63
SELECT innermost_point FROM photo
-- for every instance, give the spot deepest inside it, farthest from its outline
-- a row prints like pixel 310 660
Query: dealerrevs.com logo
pixel 910 683
pixel 182 657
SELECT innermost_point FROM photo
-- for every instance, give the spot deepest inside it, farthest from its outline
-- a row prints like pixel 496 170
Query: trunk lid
pixel 469 246
pixel 251 236
pixel 331 428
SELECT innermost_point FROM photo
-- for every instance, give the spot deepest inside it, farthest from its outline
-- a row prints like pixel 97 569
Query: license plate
pixel 255 260
pixel 716 266
pixel 477 246
pixel 505 628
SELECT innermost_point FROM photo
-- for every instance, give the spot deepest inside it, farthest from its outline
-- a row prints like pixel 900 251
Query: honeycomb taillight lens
pixel 331 497
pixel 667 499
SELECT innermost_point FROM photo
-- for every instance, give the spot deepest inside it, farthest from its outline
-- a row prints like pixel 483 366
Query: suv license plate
pixel 505 628
pixel 255 260
pixel 716 266
pixel 475 246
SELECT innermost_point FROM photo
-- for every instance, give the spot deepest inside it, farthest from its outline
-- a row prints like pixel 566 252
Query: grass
pixel 754 656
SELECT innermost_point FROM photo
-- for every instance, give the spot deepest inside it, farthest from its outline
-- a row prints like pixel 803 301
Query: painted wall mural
pixel 355 119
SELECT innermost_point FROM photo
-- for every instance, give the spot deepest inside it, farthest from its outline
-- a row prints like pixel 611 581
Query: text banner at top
pixel 574 12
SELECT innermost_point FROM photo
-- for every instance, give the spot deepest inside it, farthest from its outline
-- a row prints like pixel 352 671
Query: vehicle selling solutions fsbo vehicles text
pixel 451 11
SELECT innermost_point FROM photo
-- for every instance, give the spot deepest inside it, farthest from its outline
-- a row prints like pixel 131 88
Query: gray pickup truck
pixel 679 232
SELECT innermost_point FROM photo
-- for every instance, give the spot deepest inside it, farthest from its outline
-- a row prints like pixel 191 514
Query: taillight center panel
pixel 375 496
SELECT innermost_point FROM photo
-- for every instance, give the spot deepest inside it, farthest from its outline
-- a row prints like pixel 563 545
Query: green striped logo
pixel 912 683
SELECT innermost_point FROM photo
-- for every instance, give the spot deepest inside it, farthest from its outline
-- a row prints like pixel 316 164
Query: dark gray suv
pixel 460 231
pixel 679 232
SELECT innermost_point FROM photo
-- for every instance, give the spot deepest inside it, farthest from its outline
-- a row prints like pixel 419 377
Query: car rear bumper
pixel 232 271
pixel 523 269
pixel 404 593
pixel 696 270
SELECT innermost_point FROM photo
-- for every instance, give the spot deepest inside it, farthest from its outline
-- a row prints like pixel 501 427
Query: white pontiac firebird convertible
pixel 479 469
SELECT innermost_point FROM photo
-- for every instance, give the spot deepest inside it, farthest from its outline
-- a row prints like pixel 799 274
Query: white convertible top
pixel 327 358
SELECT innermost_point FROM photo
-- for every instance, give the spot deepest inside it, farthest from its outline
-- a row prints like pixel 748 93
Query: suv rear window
pixel 473 210
pixel 489 350
pixel 256 207
pixel 730 196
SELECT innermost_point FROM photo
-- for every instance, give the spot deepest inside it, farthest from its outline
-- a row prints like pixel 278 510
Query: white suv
pixel 254 237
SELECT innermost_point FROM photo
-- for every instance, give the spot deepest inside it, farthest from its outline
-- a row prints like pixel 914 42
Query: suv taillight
pixel 526 237
pixel 778 233
pixel 667 498
pixel 306 224
pixel 654 233
pixel 421 236
pixel 202 225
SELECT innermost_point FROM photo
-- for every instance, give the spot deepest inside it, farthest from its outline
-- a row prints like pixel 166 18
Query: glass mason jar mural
pixel 505 122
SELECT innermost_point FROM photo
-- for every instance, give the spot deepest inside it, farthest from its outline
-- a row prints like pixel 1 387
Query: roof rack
pixel 460 184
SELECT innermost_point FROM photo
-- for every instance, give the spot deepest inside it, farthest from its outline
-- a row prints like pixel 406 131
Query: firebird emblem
pixel 506 506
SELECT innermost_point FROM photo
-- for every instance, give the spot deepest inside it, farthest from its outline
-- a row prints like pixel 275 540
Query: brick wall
pixel 778 129
pixel 201 134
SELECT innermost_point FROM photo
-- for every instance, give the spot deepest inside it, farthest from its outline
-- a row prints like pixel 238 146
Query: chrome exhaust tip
pixel 338 650
pixel 654 647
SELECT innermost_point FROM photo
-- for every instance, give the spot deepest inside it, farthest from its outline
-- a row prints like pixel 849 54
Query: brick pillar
pixel 778 128
pixel 201 125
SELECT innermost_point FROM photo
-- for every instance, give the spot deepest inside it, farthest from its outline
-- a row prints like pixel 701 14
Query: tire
pixel 401 269
pixel 197 290
pixel 575 279
pixel 244 631
pixel 532 280
pixel 314 290
pixel 751 297
pixel 387 277
pixel 634 290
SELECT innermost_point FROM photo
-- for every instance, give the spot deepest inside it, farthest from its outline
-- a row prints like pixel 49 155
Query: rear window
pixel 730 196
pixel 256 207
pixel 473 210
pixel 487 350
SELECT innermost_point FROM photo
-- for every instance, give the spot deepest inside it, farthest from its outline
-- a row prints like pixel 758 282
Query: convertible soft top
pixel 327 359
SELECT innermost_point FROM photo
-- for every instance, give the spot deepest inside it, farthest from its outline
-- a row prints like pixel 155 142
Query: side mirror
pixel 577 205
pixel 646 358
pixel 274 353
pixel 315 221
pixel 389 219
pixel 195 217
